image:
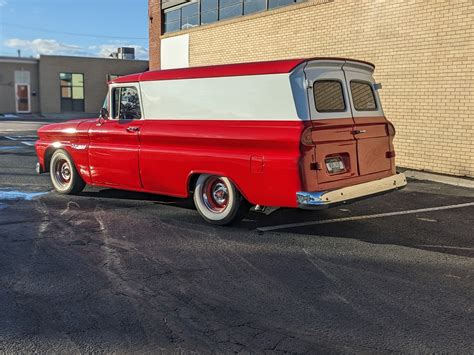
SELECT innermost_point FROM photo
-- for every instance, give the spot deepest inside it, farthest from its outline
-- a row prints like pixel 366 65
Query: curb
pixel 444 179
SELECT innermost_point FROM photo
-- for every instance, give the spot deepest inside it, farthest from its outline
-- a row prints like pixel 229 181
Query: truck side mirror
pixel 104 113
pixel 103 116
pixel 378 86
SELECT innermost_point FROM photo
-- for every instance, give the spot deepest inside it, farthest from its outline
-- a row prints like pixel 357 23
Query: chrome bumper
pixel 38 169
pixel 325 199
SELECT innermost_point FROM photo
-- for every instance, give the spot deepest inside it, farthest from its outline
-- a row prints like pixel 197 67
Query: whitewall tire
pixel 218 201
pixel 64 176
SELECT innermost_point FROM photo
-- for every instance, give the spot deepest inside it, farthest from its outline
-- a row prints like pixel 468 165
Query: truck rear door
pixel 370 125
pixel 333 125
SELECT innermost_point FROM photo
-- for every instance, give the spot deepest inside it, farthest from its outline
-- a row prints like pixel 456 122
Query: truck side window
pixel 328 96
pixel 363 96
pixel 126 103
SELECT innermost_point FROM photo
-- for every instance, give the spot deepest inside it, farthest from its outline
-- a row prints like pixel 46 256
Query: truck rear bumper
pixel 325 199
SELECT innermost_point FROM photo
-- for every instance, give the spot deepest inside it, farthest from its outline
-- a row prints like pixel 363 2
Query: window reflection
pixel 72 92
pixel 251 6
pixel 204 12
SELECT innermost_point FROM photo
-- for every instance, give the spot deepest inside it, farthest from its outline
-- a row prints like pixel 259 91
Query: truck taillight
pixel 391 129
pixel 306 138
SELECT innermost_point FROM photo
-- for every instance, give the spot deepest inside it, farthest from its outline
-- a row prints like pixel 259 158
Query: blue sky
pixel 73 27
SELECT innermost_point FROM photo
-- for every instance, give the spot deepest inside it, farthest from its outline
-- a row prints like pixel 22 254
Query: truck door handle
pixel 133 129
pixel 359 131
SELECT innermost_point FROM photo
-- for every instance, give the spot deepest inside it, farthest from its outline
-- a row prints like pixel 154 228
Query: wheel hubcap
pixel 62 172
pixel 215 194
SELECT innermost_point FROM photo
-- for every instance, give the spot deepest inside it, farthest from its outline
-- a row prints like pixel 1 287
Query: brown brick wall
pixel 154 28
pixel 423 51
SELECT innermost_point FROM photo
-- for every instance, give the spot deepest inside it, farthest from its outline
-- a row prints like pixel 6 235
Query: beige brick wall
pixel 424 56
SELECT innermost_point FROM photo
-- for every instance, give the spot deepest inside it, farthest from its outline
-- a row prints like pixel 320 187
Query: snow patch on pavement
pixel 19 195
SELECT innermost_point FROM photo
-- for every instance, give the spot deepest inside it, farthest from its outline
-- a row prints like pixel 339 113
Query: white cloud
pixel 45 46
pixel 52 47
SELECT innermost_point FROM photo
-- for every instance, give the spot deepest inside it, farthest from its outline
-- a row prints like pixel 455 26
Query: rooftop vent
pixel 127 53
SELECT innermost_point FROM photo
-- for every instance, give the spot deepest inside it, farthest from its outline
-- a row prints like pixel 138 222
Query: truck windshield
pixel 105 104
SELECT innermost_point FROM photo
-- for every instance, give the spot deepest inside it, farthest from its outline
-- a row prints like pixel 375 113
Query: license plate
pixel 335 165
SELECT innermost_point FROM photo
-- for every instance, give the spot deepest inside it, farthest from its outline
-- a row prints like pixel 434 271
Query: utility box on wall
pixel 175 52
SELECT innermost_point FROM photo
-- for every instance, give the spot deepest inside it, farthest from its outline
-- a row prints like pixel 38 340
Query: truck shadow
pixel 408 230
pixel 113 194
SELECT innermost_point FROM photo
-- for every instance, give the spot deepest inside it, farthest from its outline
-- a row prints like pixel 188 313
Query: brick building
pixel 423 52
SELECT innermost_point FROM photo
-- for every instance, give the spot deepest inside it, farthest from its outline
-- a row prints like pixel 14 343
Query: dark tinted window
pixel 230 8
pixel 251 6
pixel 363 96
pixel 208 5
pixel 277 3
pixel 173 20
pixel 328 96
pixel 209 11
pixel 171 16
pixel 209 17
pixel 172 26
pixel 190 16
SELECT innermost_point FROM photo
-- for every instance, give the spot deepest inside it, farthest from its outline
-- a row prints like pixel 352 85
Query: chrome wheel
pixel 215 194
pixel 62 172
pixel 64 176
pixel 218 201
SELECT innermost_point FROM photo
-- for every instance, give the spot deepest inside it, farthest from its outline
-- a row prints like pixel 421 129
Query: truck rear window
pixel 363 96
pixel 328 96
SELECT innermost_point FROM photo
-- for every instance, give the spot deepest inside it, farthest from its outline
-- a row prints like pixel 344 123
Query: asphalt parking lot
pixel 117 271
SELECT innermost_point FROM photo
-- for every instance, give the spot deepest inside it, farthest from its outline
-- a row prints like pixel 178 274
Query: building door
pixel 22 93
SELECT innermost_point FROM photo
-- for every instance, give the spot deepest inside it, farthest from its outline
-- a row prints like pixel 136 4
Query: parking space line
pixel 26 140
pixel 445 247
pixel 30 144
pixel 358 218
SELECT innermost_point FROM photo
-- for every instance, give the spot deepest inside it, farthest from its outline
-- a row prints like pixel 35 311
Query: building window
pixel 363 96
pixel 190 16
pixel 278 3
pixel 173 20
pixel 209 11
pixel 202 12
pixel 251 6
pixel 72 92
pixel 230 8
pixel 328 96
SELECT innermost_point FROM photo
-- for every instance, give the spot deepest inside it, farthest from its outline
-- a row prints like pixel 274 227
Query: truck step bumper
pixel 325 199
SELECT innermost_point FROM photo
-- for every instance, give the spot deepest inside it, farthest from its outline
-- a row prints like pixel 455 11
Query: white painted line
pixel 445 247
pixel 26 138
pixel 358 218
pixel 30 144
